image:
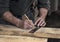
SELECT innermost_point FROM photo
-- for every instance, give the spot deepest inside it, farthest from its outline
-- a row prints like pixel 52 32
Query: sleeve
pixel 4 6
pixel 43 4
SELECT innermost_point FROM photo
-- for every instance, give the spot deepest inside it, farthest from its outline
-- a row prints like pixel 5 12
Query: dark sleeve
pixel 43 4
pixel 4 6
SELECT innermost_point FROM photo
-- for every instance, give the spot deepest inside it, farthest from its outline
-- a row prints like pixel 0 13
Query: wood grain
pixel 44 32
pixel 6 38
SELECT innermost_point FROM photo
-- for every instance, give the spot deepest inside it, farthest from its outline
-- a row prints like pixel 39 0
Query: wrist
pixel 42 17
pixel 19 23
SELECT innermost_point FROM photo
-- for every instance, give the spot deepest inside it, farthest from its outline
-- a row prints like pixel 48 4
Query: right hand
pixel 26 24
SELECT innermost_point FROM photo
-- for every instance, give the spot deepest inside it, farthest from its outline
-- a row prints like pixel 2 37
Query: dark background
pixel 53 18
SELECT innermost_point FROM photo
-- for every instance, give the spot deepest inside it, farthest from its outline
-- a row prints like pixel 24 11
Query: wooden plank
pixel 42 32
pixel 48 32
pixel 6 38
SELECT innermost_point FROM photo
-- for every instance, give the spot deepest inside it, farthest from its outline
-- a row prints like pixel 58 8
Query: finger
pixel 37 21
pixel 31 23
pixel 39 24
pixel 27 26
pixel 44 24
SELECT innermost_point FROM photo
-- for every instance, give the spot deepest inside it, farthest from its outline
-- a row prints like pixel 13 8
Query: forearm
pixel 41 20
pixel 10 18
pixel 43 12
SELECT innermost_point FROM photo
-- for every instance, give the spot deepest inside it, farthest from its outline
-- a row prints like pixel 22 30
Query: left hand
pixel 40 22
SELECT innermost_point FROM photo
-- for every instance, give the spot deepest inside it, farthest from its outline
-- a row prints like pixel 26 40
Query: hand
pixel 26 24
pixel 40 22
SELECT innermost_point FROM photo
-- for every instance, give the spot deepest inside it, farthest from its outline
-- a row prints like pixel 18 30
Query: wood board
pixel 44 32
pixel 6 38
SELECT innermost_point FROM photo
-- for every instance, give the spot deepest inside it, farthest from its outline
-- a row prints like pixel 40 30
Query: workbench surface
pixel 44 32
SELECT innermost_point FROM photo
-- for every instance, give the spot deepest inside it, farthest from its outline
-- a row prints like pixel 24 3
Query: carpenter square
pixel 35 29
